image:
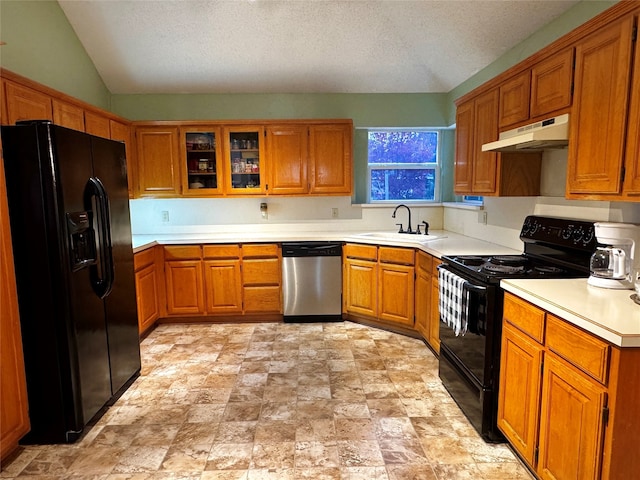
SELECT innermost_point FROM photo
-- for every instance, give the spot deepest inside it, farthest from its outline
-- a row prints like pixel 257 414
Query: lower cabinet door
pixel 184 287
pixel 519 397
pixel 360 287
pixel 396 291
pixel 434 319
pixel 147 296
pixel 423 306
pixel 224 286
pixel 571 424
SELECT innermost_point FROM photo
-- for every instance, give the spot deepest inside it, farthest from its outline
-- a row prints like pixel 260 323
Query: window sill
pixel 395 204
pixel 463 206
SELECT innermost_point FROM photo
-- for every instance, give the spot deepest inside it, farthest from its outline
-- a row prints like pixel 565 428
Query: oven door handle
pixel 467 284
pixel 474 288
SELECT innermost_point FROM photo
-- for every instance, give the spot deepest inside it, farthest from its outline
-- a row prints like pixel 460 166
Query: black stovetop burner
pixel 553 248
pixel 495 267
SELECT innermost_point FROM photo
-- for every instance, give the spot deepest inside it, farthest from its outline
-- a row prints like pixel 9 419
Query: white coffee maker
pixel 614 261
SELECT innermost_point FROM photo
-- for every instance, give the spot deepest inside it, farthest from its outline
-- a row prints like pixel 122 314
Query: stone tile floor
pixel 278 401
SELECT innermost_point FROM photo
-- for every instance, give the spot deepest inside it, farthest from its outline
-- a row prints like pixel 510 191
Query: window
pixel 403 165
pixel 472 199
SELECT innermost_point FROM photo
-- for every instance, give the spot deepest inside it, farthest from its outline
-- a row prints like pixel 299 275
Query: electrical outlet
pixel 165 215
pixel 334 213
pixel 482 217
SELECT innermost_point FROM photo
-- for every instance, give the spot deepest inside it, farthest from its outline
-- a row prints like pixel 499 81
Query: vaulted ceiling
pixel 300 46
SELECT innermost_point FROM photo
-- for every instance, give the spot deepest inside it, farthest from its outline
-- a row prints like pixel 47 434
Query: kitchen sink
pixel 400 237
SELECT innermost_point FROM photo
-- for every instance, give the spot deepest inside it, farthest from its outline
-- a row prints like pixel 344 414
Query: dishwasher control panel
pixel 311 249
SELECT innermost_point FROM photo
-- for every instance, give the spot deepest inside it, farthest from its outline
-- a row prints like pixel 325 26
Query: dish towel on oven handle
pixel 453 301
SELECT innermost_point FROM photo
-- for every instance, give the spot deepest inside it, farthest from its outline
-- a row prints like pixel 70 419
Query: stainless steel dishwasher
pixel 312 281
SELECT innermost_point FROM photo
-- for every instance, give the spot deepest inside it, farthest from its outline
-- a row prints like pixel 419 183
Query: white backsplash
pixel 196 215
pixel 505 216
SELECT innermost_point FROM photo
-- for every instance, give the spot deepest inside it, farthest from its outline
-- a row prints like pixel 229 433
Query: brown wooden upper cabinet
pixel 313 159
pixel 476 124
pixel 97 125
pixel 68 115
pixel 514 100
pixel 483 174
pixel 631 185
pixel 330 162
pixel 244 160
pixel 158 171
pixel 551 82
pixel 271 158
pixel 24 103
pixel 599 129
pixel 201 160
pixel 489 173
pixel 537 92
pixel 288 152
pixel 464 148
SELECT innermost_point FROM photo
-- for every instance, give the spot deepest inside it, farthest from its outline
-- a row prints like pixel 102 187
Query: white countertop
pixel 609 314
pixel 448 243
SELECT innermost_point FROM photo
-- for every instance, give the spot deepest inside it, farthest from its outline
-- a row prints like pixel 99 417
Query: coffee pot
pixel 615 259
pixel 609 262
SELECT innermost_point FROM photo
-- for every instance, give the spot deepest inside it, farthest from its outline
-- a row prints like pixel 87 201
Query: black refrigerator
pixel 71 235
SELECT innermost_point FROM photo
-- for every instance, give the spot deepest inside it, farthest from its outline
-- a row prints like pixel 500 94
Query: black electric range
pixel 470 356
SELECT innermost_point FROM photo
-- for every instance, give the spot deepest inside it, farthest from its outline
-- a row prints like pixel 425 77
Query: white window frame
pixel 405 166
pixel 474 201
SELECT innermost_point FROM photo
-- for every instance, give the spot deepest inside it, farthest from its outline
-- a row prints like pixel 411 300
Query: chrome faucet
pixel 393 215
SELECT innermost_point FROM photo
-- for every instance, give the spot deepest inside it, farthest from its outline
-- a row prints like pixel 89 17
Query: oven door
pixel 468 365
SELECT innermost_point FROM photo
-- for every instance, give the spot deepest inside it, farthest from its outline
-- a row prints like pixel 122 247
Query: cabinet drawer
pixel 262 299
pixel 221 251
pixel 589 354
pixel 182 252
pixel 402 256
pixel 524 316
pixel 144 258
pixel 262 250
pixel 365 252
pixel 423 262
pixel 261 272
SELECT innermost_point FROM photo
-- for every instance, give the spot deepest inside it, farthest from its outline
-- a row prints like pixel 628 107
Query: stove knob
pixel 588 236
pixel 534 227
pixel 578 233
pixel 566 233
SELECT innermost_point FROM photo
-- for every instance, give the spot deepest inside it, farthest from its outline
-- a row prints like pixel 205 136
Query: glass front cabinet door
pixel 202 174
pixel 244 160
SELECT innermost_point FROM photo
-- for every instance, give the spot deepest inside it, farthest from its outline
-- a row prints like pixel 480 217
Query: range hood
pixel 550 133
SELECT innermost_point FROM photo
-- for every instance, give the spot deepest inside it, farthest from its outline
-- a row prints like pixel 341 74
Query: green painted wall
pixel 42 46
pixel 366 110
pixel 566 22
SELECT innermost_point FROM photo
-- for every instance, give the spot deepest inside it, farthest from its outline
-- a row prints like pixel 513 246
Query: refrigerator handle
pixel 102 274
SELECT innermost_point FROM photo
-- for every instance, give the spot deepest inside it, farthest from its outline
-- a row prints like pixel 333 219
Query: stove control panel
pixel 578 234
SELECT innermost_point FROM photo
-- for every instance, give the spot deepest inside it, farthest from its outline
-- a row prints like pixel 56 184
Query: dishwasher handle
pixel 311 249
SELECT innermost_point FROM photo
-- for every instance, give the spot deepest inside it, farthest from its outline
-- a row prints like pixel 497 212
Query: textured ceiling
pixel 300 46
